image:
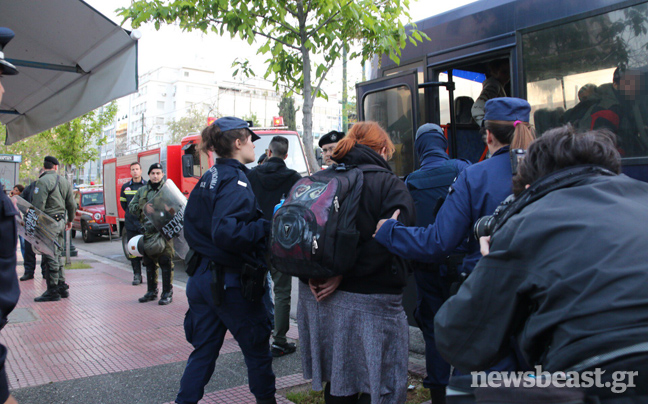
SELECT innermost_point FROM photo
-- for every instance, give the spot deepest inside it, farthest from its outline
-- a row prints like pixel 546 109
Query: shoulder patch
pixel 241 183
pixel 35 190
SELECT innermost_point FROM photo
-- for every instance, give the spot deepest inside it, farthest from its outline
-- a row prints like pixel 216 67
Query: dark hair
pixel 564 147
pixel 48 165
pixel 278 146
pixel 136 164
pixel 518 136
pixel 221 143
pixel 20 187
pixel 367 133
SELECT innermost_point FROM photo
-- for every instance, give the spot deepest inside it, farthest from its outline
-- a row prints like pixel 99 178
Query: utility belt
pixel 252 277
pixel 58 216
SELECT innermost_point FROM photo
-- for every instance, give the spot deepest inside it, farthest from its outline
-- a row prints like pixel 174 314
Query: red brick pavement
pixel 101 328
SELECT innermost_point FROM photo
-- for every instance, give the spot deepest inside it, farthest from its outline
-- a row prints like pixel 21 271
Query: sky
pixel 171 47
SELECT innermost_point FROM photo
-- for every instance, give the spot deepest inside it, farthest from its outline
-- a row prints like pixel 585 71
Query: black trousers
pixel 137 261
pixel 30 261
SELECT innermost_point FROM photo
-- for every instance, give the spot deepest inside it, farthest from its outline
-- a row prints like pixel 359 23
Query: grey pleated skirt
pixel 357 342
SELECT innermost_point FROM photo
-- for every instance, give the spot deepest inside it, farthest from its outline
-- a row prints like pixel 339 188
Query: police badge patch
pixel 35 190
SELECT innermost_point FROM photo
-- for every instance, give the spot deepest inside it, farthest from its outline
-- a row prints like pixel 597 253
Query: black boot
pixel 27 276
pixel 50 295
pixel 152 290
pixel 167 288
pixel 63 289
pixel 438 395
pixel 137 271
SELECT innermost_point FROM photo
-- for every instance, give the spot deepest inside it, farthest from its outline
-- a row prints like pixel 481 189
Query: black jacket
pixel 270 181
pixel 9 290
pixel 376 270
pixel 128 191
pixel 567 275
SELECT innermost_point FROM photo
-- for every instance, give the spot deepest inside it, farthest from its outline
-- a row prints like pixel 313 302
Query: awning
pixel 71 60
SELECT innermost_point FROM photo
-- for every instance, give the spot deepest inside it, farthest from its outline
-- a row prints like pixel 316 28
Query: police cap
pixel 507 109
pixel 155 166
pixel 6 68
pixel 53 160
pixel 331 137
pixel 231 123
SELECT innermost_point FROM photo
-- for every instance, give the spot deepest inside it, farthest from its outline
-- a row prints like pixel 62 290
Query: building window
pixel 186 74
pixel 160 104
pixel 159 121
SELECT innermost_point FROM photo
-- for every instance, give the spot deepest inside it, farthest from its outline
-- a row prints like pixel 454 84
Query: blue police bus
pixel 556 52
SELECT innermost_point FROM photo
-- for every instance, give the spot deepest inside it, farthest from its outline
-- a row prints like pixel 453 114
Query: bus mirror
pixel 187 165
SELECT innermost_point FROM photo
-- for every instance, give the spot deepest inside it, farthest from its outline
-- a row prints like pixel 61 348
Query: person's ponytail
pixel 523 135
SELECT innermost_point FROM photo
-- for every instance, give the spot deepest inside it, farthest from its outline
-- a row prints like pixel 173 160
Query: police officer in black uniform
pixel 133 226
pixel 9 289
pixel 232 236
pixel 327 143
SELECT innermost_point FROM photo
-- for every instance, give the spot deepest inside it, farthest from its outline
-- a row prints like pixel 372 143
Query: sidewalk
pixel 101 345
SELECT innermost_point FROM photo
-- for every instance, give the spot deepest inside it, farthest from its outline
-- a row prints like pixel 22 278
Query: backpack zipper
pixel 314 250
pixel 336 203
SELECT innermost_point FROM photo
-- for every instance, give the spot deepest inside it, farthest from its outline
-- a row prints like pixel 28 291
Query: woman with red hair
pixel 353 329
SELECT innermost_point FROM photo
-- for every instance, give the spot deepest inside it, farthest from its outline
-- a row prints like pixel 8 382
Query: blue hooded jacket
pixel 431 182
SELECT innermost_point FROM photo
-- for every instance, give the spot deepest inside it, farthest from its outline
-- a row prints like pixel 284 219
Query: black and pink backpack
pixel 314 232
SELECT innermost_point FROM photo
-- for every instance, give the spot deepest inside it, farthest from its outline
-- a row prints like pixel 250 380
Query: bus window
pixel 468 86
pixel 392 109
pixel 570 72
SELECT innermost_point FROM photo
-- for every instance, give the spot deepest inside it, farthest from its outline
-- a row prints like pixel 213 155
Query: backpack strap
pixel 372 168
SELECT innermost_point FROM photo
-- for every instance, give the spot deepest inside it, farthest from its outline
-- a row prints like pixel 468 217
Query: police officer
pixel 478 190
pixel 9 289
pixel 133 226
pixel 328 143
pixel 224 225
pixel 165 258
pixel 429 187
pixel 53 195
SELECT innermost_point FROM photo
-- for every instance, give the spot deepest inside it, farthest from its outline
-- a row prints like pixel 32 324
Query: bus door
pixel 392 101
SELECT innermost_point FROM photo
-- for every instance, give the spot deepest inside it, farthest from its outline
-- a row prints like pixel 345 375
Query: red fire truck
pixel 184 164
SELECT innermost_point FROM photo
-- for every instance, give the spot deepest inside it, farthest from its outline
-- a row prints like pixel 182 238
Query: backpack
pixel 314 232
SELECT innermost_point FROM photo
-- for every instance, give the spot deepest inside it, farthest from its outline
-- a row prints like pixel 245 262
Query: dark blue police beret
pixel 6 68
pixel 231 123
pixel 332 137
pixel 507 109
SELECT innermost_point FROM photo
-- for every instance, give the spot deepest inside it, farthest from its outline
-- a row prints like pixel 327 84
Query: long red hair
pixel 367 133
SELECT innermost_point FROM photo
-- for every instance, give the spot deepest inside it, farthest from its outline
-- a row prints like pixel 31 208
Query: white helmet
pixel 133 248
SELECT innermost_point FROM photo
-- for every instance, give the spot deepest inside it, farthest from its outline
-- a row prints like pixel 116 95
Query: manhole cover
pixel 23 315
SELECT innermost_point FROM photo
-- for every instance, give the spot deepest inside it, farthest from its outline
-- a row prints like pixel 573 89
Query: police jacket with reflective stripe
pixel 567 275
pixel 128 191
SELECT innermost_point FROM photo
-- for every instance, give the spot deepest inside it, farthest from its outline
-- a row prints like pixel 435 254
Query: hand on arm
pixel 382 221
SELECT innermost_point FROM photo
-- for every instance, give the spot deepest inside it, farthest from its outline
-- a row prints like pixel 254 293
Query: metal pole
pixel 67 248
pixel 453 120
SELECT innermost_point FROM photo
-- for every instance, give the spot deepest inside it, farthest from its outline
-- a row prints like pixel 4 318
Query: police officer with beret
pixel 53 195
pixel 328 143
pixel 230 238
pixel 9 290
pixel 164 258
pixel 133 226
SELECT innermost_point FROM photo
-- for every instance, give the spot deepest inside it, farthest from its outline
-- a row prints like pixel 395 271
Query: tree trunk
pixel 308 93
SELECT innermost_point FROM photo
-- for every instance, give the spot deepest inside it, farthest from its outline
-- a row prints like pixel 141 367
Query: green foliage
pixel 291 32
pixel 75 143
pixel 33 150
pixel 254 119
pixel 288 111
pixel 194 121
pixel 306 397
